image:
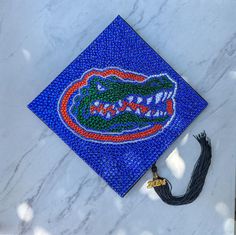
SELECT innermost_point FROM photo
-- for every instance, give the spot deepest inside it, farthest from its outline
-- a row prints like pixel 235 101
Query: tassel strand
pixel 197 179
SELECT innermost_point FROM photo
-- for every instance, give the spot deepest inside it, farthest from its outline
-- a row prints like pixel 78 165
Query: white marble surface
pixel 44 187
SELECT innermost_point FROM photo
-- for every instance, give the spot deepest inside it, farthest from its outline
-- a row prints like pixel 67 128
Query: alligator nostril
pixel 169 106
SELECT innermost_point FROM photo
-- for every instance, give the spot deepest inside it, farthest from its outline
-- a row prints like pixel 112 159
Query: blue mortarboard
pixel 118 105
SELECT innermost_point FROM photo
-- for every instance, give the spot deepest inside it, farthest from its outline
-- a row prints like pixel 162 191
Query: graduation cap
pixel 119 106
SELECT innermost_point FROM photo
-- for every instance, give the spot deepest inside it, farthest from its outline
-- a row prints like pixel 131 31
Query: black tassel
pixel 163 187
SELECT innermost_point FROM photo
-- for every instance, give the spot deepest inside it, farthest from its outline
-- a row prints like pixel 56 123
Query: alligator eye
pixel 100 87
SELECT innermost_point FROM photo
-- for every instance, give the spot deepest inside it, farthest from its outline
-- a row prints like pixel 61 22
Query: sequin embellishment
pixel 113 105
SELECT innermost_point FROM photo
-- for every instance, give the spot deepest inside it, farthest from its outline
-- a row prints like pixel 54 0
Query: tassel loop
pixel 154 171
pixel 157 180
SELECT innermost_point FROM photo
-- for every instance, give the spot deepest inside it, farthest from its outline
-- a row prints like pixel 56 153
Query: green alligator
pixel 114 105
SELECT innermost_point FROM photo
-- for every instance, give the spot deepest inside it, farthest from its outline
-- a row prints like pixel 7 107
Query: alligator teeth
pixel 161 113
pixel 117 111
pixel 149 100
pixel 156 114
pixel 128 109
pixel 137 111
pixel 169 95
pixel 108 115
pixel 139 100
pixel 106 105
pixel 96 103
pixel 120 103
pixel 158 97
pixel 148 114
pixel 165 113
pixel 130 99
pixel 164 96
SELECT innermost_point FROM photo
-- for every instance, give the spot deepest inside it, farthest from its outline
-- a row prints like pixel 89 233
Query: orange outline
pixel 96 136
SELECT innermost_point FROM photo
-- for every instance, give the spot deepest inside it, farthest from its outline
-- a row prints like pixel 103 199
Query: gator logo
pixel 117 106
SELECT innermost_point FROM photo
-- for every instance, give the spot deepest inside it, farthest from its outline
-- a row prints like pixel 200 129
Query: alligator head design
pixel 114 105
